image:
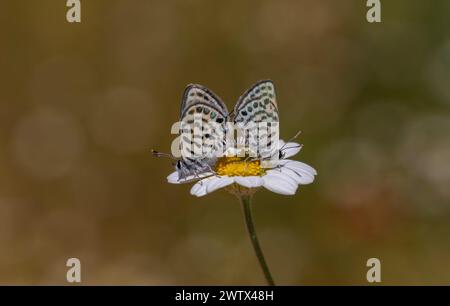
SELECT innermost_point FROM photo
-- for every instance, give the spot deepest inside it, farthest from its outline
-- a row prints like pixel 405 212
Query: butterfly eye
pixel 219 120
pixel 255 104
pixel 250 109
pixel 244 113
pixel 199 109
pixel 206 111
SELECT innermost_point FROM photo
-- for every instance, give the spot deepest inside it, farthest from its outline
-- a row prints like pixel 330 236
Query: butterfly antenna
pixel 161 154
pixel 295 136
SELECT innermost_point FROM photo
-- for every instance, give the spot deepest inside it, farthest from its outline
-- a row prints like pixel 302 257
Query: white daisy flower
pixel 241 176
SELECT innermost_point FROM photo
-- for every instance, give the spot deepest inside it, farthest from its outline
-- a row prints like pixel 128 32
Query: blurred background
pixel 81 105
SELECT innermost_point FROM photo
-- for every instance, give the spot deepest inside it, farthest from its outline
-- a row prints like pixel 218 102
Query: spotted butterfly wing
pixel 256 117
pixel 203 120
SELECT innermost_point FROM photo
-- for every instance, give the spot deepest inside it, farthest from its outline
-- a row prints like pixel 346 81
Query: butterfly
pixel 206 133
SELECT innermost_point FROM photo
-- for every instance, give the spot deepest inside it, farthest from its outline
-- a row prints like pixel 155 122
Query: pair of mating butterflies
pixel 204 118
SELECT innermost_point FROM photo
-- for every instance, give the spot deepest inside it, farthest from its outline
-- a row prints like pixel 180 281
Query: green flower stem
pixel 246 206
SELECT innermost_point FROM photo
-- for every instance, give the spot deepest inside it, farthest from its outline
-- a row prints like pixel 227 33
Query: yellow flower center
pixel 238 166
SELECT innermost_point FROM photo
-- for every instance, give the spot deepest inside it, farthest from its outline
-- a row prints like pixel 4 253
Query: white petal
pixel 218 182
pixel 279 183
pixel 291 149
pixel 210 184
pixel 282 176
pixel 173 178
pixel 297 166
pixel 249 181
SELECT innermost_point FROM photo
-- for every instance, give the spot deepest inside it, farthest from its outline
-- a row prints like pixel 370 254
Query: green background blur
pixel 81 105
